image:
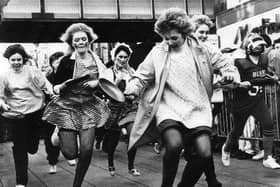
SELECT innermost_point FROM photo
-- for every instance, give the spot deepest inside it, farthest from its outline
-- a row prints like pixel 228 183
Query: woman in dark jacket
pixel 78 111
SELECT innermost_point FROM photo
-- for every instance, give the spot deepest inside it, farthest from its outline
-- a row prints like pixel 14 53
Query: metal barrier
pixel 252 129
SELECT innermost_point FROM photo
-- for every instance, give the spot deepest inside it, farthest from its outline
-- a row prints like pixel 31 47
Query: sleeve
pixel 144 74
pixel 41 81
pixel 222 63
pixel 64 71
pixel 2 88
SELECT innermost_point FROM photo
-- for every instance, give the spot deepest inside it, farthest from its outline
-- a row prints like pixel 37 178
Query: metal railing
pixel 252 128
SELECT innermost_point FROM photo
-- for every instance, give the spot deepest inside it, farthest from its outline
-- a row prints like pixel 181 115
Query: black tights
pixel 110 142
pixel 174 143
pixel 71 150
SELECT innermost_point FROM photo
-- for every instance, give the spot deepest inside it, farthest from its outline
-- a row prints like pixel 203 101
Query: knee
pixel 86 151
pixel 205 153
pixel 174 148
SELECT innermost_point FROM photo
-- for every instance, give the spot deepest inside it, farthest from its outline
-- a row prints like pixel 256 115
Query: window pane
pixel 194 7
pixel 209 7
pixel 161 5
pixel 63 8
pixel 100 9
pixel 21 8
pixel 135 9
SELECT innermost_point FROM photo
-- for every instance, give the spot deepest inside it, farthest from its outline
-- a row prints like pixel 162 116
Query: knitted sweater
pixel 184 97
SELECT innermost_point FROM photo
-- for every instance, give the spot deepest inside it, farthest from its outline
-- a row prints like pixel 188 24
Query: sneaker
pixel 112 170
pixel 124 131
pixel 225 157
pixel 55 138
pixel 72 162
pixel 134 172
pixel 270 163
pixel 20 185
pixel 52 169
pixel 259 155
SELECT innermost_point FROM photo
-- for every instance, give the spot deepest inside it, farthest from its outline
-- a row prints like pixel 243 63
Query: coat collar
pixel 191 41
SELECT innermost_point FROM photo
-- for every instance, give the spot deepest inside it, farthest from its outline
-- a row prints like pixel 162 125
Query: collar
pixel 74 54
pixel 191 41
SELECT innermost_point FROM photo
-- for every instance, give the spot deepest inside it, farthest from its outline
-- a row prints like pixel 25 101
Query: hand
pixel 274 77
pixel 130 97
pixel 53 96
pixel 57 88
pixel 5 107
pixel 91 84
pixel 228 78
pixel 245 84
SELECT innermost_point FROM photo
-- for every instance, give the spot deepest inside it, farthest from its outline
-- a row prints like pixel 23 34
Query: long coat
pixel 148 83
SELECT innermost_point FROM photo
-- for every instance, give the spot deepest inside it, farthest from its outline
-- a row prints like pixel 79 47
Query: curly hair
pixel 76 27
pixel 201 20
pixel 174 18
pixel 16 48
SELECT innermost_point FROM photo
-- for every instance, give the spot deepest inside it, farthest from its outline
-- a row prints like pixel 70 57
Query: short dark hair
pixel 16 48
pixel 55 56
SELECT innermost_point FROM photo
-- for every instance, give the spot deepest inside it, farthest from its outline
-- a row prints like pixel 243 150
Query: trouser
pixel 261 113
pixel 52 151
pixel 25 137
pixel 110 142
pixel 99 134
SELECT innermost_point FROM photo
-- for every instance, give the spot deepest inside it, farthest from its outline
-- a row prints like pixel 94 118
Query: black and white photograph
pixel 139 93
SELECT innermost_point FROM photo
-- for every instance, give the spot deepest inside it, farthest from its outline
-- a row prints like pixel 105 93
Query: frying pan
pixel 111 90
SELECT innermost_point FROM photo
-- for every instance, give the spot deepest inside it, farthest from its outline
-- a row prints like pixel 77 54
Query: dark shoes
pixel 241 155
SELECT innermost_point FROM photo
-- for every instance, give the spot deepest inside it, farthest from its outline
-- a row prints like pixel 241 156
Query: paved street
pixel 242 173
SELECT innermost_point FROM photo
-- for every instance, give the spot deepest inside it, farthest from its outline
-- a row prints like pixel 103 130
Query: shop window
pixel 161 5
pixel 194 7
pixel 63 8
pixel 100 9
pixel 21 8
pixel 135 9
